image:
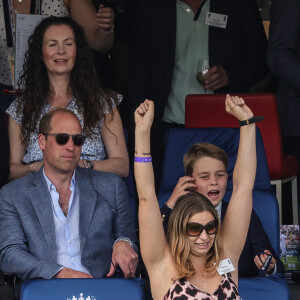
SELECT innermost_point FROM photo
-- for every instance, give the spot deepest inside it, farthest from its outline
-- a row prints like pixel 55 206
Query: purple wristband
pixel 143 159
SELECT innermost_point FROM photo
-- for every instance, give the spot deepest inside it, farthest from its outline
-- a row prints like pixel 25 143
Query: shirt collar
pixel 218 208
pixel 51 185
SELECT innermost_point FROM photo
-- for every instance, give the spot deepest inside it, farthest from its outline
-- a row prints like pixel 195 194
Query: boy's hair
pixel 200 150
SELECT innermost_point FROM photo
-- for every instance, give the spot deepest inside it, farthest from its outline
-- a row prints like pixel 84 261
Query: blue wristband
pixel 143 159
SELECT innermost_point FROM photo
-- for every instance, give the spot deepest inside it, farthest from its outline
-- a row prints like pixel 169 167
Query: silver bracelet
pixel 124 239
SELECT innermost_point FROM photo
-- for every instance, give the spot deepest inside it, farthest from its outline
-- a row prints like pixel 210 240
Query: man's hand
pixel 217 78
pixel 70 273
pixel 124 256
pixel 180 189
pixel 105 18
pixel 260 259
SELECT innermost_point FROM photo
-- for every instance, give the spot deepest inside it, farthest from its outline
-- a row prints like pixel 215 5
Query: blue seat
pixel 87 289
pixel 263 288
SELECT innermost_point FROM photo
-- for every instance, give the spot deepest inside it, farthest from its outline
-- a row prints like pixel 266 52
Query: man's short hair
pixel 200 150
pixel 46 119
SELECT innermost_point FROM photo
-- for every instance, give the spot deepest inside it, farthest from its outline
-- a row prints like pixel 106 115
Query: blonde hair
pixel 187 206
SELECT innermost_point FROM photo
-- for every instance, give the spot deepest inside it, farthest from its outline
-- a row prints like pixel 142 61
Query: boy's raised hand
pixel 237 107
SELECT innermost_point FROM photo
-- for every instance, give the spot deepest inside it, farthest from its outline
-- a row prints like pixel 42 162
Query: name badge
pixel 225 266
pixel 216 20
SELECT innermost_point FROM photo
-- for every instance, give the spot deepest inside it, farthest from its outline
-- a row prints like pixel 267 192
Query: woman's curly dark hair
pixel 84 83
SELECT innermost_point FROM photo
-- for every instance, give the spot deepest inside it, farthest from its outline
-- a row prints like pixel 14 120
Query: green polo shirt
pixel 191 45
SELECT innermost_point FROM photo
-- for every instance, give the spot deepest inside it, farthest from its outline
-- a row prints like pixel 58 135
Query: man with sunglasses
pixel 205 166
pixel 65 221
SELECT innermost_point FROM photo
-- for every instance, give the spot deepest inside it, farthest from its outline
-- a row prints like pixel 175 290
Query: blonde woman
pixel 198 259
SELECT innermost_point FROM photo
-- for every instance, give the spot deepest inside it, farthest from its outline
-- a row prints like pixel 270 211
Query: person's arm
pixel 235 226
pixel 98 26
pixel 261 246
pixel 15 255
pixel 17 152
pixel 154 247
pixel 114 141
pixel 283 53
pixel 125 248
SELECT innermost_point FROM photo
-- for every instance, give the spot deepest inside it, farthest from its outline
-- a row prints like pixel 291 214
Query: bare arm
pixel 114 142
pixel 17 152
pixel 236 223
pixel 98 26
pixel 154 247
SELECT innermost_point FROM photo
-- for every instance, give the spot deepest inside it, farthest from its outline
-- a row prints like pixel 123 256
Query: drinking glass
pixel 202 69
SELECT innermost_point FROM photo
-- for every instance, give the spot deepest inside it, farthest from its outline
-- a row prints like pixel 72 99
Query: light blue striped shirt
pixel 67 228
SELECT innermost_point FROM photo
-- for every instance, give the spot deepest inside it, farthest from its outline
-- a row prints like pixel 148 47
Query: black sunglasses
pixel 63 138
pixel 195 229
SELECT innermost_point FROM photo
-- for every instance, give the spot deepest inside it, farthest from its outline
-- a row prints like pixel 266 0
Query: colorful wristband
pixel 143 159
pixel 251 120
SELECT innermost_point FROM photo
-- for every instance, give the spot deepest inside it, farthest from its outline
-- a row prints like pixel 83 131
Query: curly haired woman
pixel 58 72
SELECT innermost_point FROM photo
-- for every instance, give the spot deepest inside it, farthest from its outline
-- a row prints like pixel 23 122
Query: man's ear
pixel 42 141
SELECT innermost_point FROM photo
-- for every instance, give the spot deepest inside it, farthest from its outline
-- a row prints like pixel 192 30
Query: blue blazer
pixel 27 235
pixel 256 242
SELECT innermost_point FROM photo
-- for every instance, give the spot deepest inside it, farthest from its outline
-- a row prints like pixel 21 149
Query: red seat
pixel 208 111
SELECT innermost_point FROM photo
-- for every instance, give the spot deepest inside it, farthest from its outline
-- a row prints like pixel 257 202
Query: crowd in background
pixel 118 53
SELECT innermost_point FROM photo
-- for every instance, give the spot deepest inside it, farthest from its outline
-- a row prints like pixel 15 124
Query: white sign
pixel 25 25
pixel 216 20
pixel 225 266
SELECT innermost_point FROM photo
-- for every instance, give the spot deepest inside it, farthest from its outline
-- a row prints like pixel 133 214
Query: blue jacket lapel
pixel 41 201
pixel 87 203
